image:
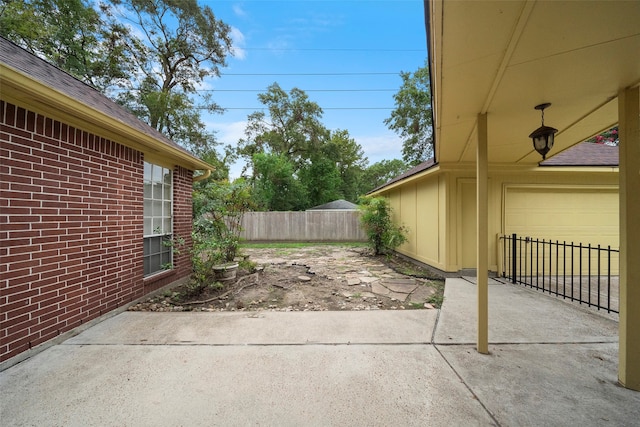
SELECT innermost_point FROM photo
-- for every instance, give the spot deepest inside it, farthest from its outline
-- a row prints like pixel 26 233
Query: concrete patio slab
pixel 139 369
pixel 550 364
pixel 547 385
pixel 262 328
pixel 517 315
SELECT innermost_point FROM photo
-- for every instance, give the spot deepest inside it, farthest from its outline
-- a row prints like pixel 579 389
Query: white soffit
pixel 504 58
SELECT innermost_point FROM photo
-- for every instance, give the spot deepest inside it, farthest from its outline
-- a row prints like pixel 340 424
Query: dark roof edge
pixel 422 167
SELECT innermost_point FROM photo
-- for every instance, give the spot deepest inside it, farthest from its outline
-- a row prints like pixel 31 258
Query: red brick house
pixel 87 194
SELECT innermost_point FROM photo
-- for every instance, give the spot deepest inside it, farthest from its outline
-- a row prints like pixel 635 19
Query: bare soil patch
pixel 312 278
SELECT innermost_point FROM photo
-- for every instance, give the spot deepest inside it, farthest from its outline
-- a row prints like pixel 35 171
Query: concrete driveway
pixel 550 364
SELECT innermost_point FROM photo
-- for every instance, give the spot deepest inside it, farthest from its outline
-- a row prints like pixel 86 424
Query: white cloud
pixel 239 11
pixel 380 147
pixel 229 132
pixel 238 42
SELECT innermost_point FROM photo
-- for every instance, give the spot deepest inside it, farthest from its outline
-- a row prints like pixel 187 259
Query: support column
pixel 629 133
pixel 482 229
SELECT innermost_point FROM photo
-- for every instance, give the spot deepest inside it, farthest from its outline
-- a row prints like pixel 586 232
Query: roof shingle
pixel 585 154
pixel 59 80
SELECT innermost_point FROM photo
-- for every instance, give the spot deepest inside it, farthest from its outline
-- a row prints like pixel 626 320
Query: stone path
pixel 364 276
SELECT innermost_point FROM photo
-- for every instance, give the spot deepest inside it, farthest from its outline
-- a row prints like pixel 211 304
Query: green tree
pixel 325 165
pixel 321 178
pixel 380 173
pixel 72 35
pixel 292 128
pixel 411 118
pixel 383 235
pixel 179 46
pixel 275 188
pixel 350 162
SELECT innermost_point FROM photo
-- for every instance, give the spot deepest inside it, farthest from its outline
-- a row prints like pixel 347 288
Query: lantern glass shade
pixel 543 139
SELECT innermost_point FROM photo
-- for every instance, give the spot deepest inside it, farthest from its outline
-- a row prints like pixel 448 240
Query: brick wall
pixel 71 225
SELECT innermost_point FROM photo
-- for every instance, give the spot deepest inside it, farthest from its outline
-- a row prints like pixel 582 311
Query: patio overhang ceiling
pixel 505 57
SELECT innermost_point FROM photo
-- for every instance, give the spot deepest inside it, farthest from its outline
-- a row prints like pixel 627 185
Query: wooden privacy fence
pixel 307 226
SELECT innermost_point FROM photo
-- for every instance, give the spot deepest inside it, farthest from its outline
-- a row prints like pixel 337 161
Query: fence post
pixel 513 258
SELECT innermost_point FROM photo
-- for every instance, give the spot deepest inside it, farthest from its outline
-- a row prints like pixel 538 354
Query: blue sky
pixel 368 42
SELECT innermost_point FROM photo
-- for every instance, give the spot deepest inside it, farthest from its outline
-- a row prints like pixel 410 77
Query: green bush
pixel 383 235
pixel 218 208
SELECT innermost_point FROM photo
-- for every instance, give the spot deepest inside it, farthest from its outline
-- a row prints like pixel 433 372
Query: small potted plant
pixel 218 211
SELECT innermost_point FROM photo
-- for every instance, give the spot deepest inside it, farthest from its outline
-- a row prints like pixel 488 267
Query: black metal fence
pixel 583 273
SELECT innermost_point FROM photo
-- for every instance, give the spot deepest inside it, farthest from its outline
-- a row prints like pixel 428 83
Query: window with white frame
pixel 158 209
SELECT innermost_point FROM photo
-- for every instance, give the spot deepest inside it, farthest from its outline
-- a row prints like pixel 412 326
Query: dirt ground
pixel 312 278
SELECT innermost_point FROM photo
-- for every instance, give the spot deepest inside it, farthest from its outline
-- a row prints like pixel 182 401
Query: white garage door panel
pixel 564 214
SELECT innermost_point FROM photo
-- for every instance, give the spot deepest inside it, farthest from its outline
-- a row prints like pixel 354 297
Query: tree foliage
pixel 382 172
pixel 292 127
pixel 296 161
pixel 151 55
pixel 179 45
pixel 72 35
pixel 275 188
pixel 411 118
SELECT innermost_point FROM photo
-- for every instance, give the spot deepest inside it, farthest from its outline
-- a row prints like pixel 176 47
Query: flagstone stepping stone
pixel 405 286
pixel 353 281
pixel 399 296
pixel 421 294
pixel 377 288
pixel 369 279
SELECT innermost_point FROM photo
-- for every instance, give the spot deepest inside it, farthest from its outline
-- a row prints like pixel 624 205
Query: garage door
pixel 586 215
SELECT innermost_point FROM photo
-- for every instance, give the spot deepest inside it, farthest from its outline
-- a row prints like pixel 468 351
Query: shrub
pixel 218 208
pixel 383 235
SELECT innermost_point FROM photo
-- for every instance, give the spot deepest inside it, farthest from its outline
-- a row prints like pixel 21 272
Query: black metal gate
pixel 583 273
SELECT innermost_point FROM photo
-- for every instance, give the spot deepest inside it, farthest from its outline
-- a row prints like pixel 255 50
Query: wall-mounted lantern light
pixel 544 135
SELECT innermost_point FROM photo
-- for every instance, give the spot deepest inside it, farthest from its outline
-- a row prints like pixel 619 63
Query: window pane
pixel 157 226
pixel 166 226
pixel 155 263
pixel 157 173
pixel 147 171
pixel 156 245
pixel 147 190
pixel 157 190
pixel 167 209
pixel 167 191
pixel 157 208
pixel 165 258
pixel 147 227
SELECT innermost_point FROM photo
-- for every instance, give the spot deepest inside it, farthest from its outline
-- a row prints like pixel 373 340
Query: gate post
pixel 514 264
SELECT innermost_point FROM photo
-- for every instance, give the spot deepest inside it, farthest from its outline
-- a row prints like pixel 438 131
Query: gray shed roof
pixel 335 205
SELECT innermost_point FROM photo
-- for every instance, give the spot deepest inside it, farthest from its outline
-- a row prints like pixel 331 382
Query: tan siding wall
pixel 439 209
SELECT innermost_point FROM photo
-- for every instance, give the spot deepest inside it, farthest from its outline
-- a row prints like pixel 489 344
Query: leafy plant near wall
pixel 218 208
pixel 382 234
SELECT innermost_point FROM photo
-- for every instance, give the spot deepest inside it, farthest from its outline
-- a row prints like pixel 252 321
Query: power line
pixel 323 108
pixel 285 49
pixel 312 74
pixel 304 90
pixel 286 90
